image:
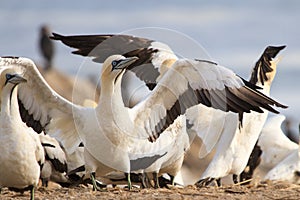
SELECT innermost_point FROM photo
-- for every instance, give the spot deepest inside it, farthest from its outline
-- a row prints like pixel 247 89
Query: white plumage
pixel 234 144
pixel 115 136
pixel 280 156
pixel 21 150
pixel 287 170
pixel 55 166
pixel 157 59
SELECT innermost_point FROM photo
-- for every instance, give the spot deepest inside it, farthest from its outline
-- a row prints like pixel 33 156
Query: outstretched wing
pixel 264 65
pixel 189 83
pixel 153 56
pixel 213 120
pixel 40 106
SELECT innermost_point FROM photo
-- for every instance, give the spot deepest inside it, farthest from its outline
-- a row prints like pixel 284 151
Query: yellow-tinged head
pixel 10 75
pixel 114 65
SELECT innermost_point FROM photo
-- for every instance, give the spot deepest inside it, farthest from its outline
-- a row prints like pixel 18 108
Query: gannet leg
pixel 94 182
pixel 235 178
pixel 218 180
pixel 172 179
pixel 144 180
pixel 128 181
pixel 156 181
pixel 45 182
pixel 32 192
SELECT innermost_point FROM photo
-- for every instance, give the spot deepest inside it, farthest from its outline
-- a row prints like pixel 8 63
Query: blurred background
pixel 234 33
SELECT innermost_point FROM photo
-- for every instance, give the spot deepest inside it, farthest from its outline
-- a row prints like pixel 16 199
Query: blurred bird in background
pixel 46 47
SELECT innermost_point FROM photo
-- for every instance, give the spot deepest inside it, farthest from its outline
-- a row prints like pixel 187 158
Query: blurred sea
pixel 234 33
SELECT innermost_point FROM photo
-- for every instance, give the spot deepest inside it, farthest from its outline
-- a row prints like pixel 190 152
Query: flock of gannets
pixel 149 137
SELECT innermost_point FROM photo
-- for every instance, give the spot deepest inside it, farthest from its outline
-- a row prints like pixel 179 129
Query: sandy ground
pixel 269 190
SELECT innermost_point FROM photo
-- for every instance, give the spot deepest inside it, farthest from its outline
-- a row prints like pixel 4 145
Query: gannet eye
pixel 114 63
pixel 8 76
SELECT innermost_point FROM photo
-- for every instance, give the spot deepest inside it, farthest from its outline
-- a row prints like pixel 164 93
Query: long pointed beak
pixel 124 63
pixel 16 79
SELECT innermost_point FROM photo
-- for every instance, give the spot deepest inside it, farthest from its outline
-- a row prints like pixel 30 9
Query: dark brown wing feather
pixel 263 65
pixel 101 47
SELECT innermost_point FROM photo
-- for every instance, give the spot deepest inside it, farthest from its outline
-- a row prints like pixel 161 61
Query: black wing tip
pixel 152 138
pixel 281 105
pixel 250 84
pixel 276 47
pixel 56 36
pixel 272 51
pixel 59 166
pixel 11 57
pixel 78 169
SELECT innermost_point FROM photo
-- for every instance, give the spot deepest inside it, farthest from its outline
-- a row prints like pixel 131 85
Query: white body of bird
pixel 234 144
pixel 286 170
pixel 55 166
pixel 21 149
pixel 279 154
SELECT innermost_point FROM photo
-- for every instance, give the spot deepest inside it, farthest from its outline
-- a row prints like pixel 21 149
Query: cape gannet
pixel 234 148
pixel 21 152
pixel 55 166
pixel 279 157
pixel 172 161
pixel 154 60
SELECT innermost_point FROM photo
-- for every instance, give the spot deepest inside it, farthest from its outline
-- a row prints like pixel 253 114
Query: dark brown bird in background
pixel 46 46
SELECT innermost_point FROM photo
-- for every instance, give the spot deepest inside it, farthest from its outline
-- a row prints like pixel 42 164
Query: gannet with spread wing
pixel 22 154
pixel 232 155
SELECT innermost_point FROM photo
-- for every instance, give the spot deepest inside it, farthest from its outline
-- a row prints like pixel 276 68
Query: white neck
pixel 9 102
pixel 111 96
pixel 111 109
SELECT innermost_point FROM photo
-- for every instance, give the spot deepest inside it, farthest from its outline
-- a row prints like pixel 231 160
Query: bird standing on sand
pixel 21 152
pixel 46 47
pixel 280 158
pixel 233 150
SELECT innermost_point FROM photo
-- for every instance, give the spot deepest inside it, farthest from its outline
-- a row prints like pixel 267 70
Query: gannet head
pixel 8 81
pixel 14 78
pixel 10 75
pixel 114 65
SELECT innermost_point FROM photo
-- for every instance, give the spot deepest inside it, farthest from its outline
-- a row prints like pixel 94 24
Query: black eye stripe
pixel 8 77
pixel 115 62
